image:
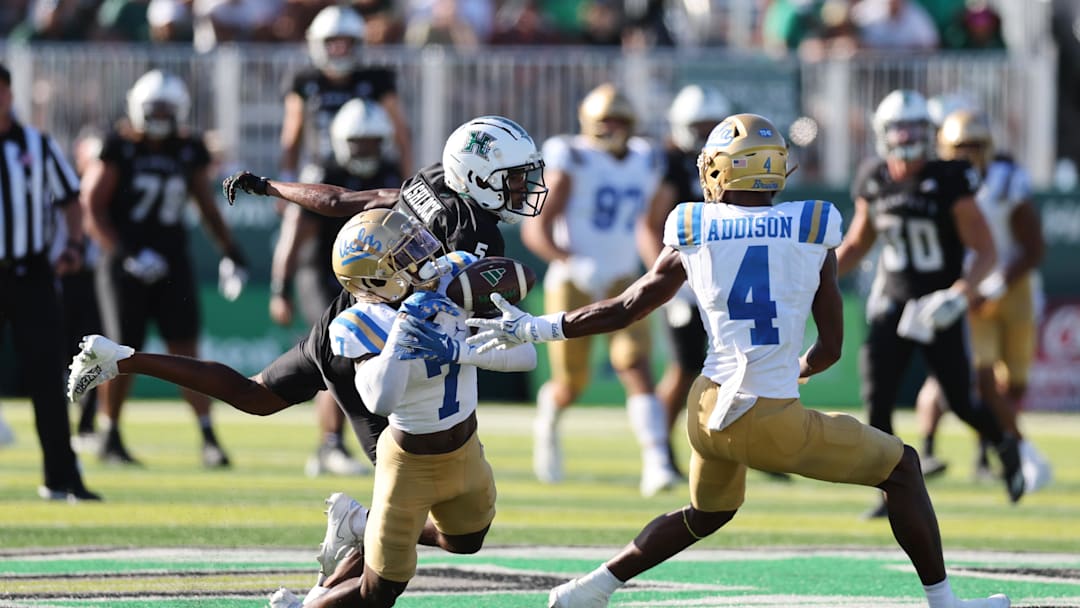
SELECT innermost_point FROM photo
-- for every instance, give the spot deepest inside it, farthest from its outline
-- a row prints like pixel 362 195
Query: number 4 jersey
pixel 921 250
pixel 152 189
pixel 755 271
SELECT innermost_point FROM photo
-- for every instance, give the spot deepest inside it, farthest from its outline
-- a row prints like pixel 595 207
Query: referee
pixel 33 178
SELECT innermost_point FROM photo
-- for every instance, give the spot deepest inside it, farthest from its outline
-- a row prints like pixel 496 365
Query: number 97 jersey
pixel 755 272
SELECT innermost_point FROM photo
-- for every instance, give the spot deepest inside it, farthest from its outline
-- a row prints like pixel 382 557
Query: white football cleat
pixel 283 598
pixel 335 461
pixel 655 479
pixel 575 594
pixel 994 601
pixel 341 539
pixel 1036 469
pixel 95 364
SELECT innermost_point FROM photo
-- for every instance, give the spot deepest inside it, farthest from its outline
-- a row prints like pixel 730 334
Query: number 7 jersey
pixel 755 271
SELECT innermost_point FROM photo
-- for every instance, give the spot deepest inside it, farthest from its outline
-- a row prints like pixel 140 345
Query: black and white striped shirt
pixel 34 176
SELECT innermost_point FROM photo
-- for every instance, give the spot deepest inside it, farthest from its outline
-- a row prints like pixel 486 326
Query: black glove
pixel 246 181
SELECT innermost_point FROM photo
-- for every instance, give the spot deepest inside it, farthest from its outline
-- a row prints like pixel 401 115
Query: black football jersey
pixel 153 188
pixel 324 97
pixel 317 255
pixel 459 226
pixel 682 174
pixel 921 249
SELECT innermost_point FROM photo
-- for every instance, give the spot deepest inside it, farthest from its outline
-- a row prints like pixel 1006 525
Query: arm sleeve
pixel 381 380
pixel 521 358
pixel 62 181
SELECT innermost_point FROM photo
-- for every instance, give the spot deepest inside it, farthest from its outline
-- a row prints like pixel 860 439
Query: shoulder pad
pixel 683 225
pixel 819 223
pixel 360 329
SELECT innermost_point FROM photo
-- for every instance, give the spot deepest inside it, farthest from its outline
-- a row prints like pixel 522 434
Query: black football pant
pixel 885 356
pixel 30 303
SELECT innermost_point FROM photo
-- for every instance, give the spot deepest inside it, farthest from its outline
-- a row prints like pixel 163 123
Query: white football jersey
pixel 1005 186
pixel 755 271
pixel 437 396
pixel 607 197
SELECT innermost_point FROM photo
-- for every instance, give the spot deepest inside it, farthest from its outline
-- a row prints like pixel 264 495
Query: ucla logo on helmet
pixel 722 135
pixel 364 245
pixel 765 132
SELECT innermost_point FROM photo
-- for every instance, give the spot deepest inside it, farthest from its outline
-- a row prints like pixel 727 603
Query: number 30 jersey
pixel 153 189
pixel 755 271
pixel 921 250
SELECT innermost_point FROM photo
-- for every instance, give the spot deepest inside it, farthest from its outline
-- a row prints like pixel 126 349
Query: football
pixel 472 288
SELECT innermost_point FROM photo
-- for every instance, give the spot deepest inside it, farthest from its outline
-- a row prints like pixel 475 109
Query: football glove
pixel 148 266
pixel 246 181
pixel 514 327
pixel 420 339
pixel 232 277
pixel 427 304
pixel 941 308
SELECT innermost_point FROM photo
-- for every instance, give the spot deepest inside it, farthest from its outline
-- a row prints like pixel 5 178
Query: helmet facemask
pixel 364 154
pixel 907 139
pixel 521 191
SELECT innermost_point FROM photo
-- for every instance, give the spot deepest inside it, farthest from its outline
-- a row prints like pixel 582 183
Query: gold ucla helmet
pixel 743 152
pixel 378 255
pixel 965 135
pixel 607 102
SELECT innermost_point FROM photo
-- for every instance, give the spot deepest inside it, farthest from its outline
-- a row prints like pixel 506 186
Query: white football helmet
pixel 902 126
pixel 357 134
pixel 158 103
pixel 334 22
pixel 694 113
pixel 493 161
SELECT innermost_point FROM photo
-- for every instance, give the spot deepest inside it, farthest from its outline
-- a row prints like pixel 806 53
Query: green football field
pixel 171 534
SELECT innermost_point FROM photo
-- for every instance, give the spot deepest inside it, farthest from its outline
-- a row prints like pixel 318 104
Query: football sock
pixel 207 429
pixel 332 439
pixel 547 411
pixel 928 446
pixel 939 595
pixel 601 579
pixel 647 420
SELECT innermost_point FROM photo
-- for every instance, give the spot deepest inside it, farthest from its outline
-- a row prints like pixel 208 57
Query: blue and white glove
pixel 427 304
pixel 420 339
pixel 514 327
pixel 148 266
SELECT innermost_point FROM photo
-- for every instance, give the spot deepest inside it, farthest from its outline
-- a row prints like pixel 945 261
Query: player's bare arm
pixel 975 234
pixel 71 259
pixel 98 185
pixel 859 239
pixel 292 127
pixel 645 295
pixel 324 199
pixel 1027 229
pixel 537 233
pixel 209 378
pixel 402 138
pixel 649 231
pixel 296 229
pixel 828 312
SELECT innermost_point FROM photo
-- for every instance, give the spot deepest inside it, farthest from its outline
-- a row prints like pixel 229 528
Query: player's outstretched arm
pixel 828 312
pixel 209 378
pixel 324 199
pixel 859 239
pixel 645 295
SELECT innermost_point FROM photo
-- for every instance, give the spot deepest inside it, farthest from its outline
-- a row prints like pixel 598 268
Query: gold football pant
pixel 779 435
pixel 456 488
pixel 1003 333
pixel 570 358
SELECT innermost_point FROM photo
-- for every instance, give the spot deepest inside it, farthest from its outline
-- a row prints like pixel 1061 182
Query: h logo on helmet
pixel 479 144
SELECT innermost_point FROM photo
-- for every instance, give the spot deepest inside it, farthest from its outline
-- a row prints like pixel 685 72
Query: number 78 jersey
pixel 755 271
